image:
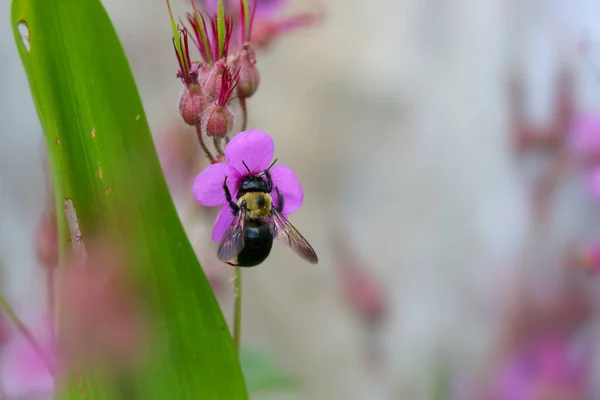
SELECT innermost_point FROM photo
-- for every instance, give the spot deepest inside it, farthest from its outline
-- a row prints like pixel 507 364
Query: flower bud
pixel 249 77
pixel 217 120
pixel 214 81
pixel 193 102
pixel 201 71
pixel 263 32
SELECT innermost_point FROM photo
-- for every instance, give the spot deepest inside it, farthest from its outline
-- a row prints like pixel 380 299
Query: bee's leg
pixel 279 200
pixel 232 204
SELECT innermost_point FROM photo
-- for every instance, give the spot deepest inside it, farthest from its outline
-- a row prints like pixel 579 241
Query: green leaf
pixel 103 159
pixel 263 374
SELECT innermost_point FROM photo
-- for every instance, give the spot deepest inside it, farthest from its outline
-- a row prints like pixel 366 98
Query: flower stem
pixel 218 146
pixel 203 145
pixel 51 303
pixel 23 330
pixel 244 113
pixel 237 311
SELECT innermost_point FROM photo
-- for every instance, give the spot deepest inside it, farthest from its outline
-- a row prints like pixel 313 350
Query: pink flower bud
pixel 214 81
pixel 263 32
pixel 362 292
pixel 201 71
pixel 217 120
pixel 46 240
pixel 249 77
pixel 193 102
pixel 590 258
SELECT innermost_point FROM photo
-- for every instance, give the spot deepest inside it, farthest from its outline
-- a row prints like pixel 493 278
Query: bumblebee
pixel 257 222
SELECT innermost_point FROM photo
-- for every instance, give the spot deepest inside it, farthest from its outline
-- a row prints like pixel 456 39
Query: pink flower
pixel 263 7
pixel 544 366
pixel 585 136
pixel 265 24
pixel 25 371
pixel 363 293
pixel 592 182
pixel 590 257
pixel 103 317
pixel 254 149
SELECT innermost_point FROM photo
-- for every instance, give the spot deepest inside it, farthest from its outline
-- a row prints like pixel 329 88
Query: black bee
pixel 257 222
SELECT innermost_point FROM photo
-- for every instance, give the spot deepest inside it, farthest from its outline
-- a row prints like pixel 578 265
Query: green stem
pixel 244 113
pixel 51 303
pixel 218 146
pixel 237 311
pixel 12 315
pixel 203 145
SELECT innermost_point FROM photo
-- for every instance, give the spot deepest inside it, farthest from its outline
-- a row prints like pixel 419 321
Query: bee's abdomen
pixel 258 241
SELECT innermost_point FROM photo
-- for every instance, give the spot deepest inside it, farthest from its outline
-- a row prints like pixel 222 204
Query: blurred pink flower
pixel 539 370
pixel 591 179
pixel 216 277
pixel 263 7
pixel 25 371
pixel 267 25
pixel 539 361
pixel 180 156
pixel 266 29
pixel 47 240
pixel 255 149
pixel 362 292
pixel 590 257
pixel 102 317
pixel 366 296
pixel 584 137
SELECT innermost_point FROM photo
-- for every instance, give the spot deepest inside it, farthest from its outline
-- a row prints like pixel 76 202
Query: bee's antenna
pixel 270 166
pixel 243 162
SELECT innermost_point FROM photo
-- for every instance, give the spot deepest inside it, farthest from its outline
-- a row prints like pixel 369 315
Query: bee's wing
pixel 233 239
pixel 284 231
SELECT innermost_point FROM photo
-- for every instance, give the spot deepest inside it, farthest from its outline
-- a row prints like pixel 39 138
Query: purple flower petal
pixel 222 222
pixel 263 7
pixel 23 372
pixel 592 181
pixel 255 148
pixel 585 134
pixel 289 186
pixel 208 185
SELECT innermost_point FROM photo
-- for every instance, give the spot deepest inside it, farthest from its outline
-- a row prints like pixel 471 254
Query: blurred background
pixel 449 153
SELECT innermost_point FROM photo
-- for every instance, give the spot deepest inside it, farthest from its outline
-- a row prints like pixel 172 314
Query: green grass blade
pixel 102 158
pixel 247 19
pixel 221 26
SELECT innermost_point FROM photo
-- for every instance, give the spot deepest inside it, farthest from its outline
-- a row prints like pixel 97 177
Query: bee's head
pixel 253 183
pixel 256 183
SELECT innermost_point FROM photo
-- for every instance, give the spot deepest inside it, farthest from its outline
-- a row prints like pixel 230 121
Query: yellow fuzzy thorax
pixel 258 205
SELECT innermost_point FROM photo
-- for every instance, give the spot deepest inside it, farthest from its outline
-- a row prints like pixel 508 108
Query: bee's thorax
pixel 258 204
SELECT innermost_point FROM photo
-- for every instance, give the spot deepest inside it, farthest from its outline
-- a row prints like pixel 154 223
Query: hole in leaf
pixel 24 33
pixel 73 224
